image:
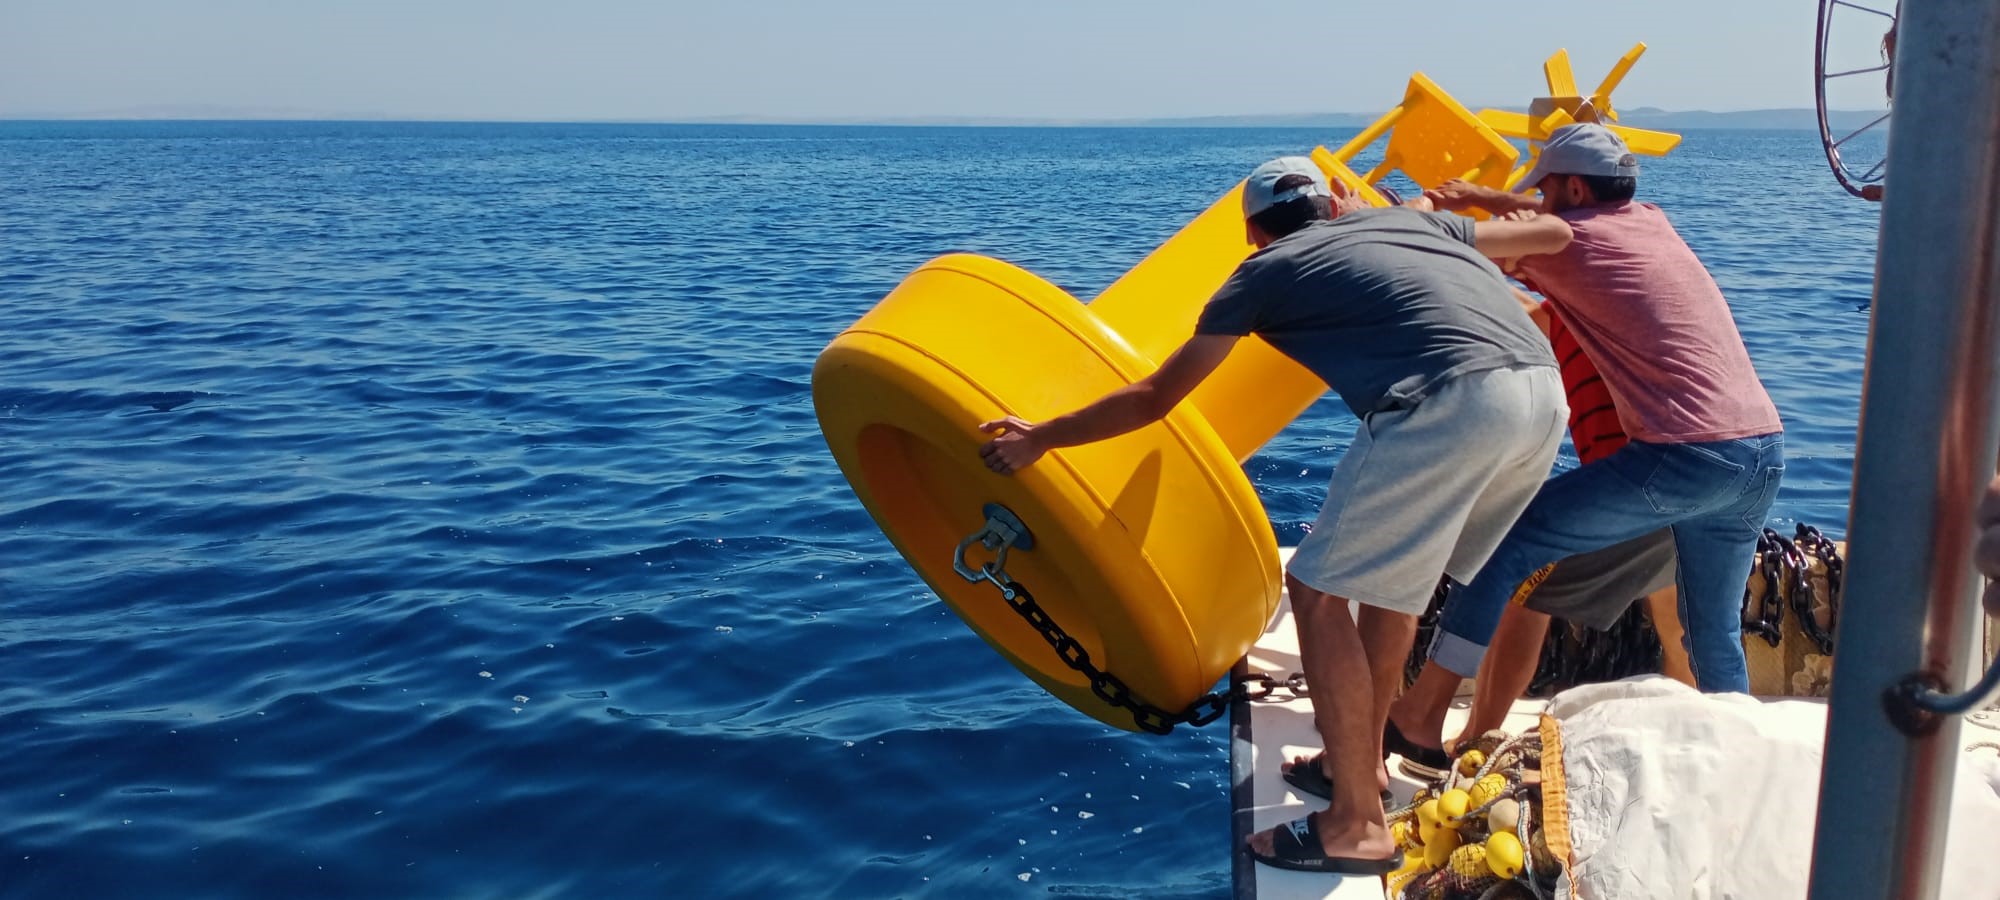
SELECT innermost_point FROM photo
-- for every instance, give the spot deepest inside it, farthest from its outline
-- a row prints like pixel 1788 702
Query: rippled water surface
pixel 439 510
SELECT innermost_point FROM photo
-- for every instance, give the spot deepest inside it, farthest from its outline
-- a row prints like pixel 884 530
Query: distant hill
pixel 198 111
pixel 1841 120
pixel 1296 120
pixel 1640 117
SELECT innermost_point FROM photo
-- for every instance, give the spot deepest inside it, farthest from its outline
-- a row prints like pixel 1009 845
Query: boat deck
pixel 1267 733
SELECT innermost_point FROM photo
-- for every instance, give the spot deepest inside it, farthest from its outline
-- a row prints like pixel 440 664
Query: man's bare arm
pixel 1537 313
pixel 1458 195
pixel 1129 408
pixel 1521 234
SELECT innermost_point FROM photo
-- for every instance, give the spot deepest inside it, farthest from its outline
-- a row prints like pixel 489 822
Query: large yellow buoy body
pixel 1150 549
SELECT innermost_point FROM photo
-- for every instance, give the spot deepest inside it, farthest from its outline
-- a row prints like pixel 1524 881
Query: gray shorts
pixel 1594 589
pixel 1433 489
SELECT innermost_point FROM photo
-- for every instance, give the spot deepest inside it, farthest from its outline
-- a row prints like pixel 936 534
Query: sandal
pixel 1310 776
pixel 1423 763
pixel 1295 845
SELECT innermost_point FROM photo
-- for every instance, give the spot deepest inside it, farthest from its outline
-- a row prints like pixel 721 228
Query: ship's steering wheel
pixel 1861 177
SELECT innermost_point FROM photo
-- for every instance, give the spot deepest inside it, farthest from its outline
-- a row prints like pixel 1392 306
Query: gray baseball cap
pixel 1585 148
pixel 1260 190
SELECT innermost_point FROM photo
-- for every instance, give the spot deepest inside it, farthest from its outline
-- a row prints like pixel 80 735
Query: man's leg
pixel 1716 556
pixel 1338 666
pixel 1663 607
pixel 1378 628
pixel 1507 670
pixel 1387 637
pixel 1581 510
pixel 1421 709
pixel 1426 506
pixel 1717 550
pixel 1591 590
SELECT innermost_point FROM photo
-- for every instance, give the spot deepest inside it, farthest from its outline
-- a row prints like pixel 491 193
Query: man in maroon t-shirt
pixel 1707 450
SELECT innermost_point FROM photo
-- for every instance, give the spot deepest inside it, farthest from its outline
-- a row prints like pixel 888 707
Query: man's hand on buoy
pixel 1455 195
pixel 1344 200
pixel 1988 551
pixel 1014 449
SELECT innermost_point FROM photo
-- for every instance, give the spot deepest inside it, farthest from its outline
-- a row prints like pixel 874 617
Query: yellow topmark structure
pixel 1133 572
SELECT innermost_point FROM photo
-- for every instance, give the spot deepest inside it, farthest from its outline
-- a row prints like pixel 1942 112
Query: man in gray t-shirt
pixel 1462 412
pixel 1382 304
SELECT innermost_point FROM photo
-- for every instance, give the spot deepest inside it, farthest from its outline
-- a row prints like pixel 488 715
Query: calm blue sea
pixel 438 510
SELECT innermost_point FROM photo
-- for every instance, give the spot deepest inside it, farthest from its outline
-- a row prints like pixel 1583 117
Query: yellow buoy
pixel 1428 824
pixel 1413 867
pixel 1485 789
pixel 1452 806
pixel 1150 551
pixel 1503 854
pixel 1438 849
pixel 1469 861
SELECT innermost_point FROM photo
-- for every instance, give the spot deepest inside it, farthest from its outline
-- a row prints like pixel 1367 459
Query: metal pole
pixel 1928 445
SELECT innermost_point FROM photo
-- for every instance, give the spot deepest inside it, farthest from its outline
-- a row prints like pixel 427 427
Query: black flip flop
pixel 1310 777
pixel 1425 763
pixel 1295 846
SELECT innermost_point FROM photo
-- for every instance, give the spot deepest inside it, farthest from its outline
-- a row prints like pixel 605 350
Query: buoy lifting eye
pixel 1002 530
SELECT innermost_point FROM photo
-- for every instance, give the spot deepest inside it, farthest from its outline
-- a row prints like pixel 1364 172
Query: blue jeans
pixel 1714 495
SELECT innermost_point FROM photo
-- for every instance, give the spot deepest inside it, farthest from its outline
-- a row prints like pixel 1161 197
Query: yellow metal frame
pixel 1564 105
pixel 1432 138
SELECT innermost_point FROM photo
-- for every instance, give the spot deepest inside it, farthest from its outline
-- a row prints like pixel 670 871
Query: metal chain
pixel 1781 565
pixel 1003 530
pixel 1261 688
pixel 1769 620
pixel 1797 578
pixel 1113 690
pixel 1812 542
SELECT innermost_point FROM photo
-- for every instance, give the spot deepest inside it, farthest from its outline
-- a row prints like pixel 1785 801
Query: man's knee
pixel 1303 594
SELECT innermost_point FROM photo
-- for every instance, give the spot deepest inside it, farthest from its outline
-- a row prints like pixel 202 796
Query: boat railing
pixel 1929 440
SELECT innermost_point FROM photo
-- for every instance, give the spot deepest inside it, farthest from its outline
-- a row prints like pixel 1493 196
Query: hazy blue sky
pixel 791 59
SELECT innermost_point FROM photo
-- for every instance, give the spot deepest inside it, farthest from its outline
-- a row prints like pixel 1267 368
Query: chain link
pixel 1768 622
pixel 1261 688
pixel 1811 542
pixel 1782 565
pixel 1003 530
pixel 1113 690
